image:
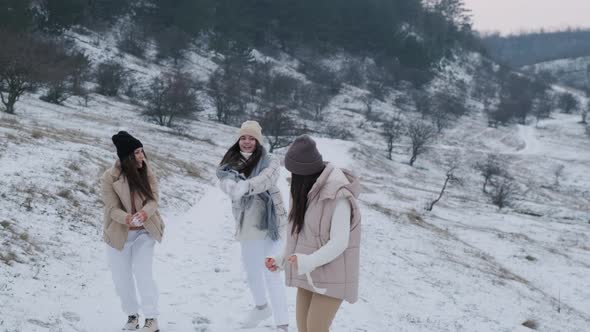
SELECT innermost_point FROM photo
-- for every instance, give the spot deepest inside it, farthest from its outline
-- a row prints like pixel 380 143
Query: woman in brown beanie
pixel 249 175
pixel 132 225
pixel 321 258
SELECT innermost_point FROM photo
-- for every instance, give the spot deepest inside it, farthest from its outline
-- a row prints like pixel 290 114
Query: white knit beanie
pixel 251 128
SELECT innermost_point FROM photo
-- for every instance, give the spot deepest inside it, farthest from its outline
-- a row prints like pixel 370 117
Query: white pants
pixel 135 260
pixel 260 279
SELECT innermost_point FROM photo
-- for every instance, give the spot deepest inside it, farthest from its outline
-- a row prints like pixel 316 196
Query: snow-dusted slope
pixel 465 266
pixel 572 72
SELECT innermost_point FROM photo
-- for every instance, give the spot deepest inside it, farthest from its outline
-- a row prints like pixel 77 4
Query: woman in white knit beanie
pixel 249 175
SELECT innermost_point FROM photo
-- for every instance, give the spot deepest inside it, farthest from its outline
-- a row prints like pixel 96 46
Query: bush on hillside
pixel 110 77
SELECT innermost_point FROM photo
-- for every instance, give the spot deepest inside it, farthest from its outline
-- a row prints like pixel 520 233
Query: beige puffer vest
pixel 340 278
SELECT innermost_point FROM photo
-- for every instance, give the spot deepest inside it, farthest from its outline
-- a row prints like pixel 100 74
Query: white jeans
pixel 260 279
pixel 135 260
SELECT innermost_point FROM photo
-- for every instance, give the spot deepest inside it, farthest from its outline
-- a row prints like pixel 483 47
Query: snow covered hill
pixel 465 266
pixel 571 72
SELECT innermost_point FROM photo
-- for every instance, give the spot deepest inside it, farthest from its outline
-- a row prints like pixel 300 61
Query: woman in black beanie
pixel 132 225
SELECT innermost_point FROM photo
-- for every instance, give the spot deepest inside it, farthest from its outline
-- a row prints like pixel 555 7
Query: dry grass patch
pixel 531 324
pixel 37 134
pixel 61 135
pixel 382 209
pixel 17 245
pixel 66 193
pixel 169 165
pixel 24 236
pixel 9 121
pixel 84 188
pixel 184 134
pixel 74 166
pixel 190 168
pixel 508 275
pixel 9 257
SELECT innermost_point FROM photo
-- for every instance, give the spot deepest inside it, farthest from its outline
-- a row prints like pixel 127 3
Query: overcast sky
pixel 516 15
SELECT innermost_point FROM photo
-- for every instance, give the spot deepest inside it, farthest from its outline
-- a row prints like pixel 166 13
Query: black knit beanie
pixel 303 158
pixel 126 144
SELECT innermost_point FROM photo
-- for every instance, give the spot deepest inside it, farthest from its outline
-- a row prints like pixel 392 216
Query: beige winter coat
pixel 340 277
pixel 117 205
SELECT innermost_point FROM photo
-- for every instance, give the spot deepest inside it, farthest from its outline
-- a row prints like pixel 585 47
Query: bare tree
pixel 503 193
pixel 447 105
pixel 132 40
pixel 280 91
pixel 322 76
pixel 516 99
pixel 217 90
pixel 422 103
pixel 420 133
pixel 316 99
pixel 368 100
pixel 110 76
pixel 171 97
pixel 226 93
pixel 490 168
pixel 261 73
pixel 172 43
pixel 450 177
pixel 450 102
pixel 279 127
pixel 440 119
pixel 353 72
pixel 568 103
pixel 58 79
pixel 392 131
pixel 557 174
pixel 542 107
pixel 24 61
pixel 337 132
pixel 58 91
pixel 584 113
pixel 377 89
pixel 81 71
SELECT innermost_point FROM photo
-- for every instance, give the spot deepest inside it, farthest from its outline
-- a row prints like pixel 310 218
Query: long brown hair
pixel 137 177
pixel 300 187
pixel 236 161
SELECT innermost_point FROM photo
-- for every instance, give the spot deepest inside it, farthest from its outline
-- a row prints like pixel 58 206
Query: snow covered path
pixel 529 138
pixel 199 274
pixel 197 268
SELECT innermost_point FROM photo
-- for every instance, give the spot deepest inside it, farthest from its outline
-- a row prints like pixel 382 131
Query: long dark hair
pixel 300 187
pixel 137 177
pixel 236 161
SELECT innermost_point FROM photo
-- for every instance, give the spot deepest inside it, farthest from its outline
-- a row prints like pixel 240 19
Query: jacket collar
pixel 331 181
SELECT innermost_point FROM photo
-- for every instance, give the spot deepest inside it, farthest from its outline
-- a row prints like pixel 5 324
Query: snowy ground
pixel 465 266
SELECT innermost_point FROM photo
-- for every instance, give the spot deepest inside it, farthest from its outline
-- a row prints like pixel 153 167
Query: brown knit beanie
pixel 303 158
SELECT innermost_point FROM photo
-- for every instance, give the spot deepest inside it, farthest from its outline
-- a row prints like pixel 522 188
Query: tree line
pixel 529 48
pixel 414 33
